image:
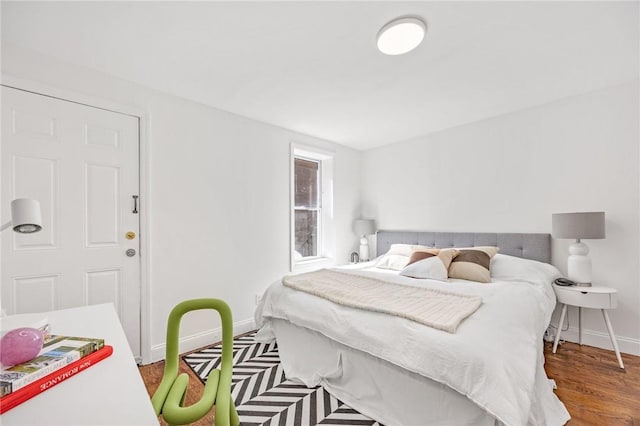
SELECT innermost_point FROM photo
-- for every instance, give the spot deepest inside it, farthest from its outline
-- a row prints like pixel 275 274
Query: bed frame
pixel 369 384
pixel 528 246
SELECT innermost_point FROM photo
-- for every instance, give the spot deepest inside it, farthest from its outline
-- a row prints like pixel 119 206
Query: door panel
pixel 102 205
pixel 97 135
pixel 103 287
pixel 82 164
pixel 33 125
pixel 35 294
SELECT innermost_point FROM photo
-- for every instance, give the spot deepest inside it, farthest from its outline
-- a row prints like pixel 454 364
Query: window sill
pixel 312 264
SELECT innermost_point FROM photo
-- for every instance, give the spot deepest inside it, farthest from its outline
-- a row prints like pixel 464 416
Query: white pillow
pixel 511 268
pixel 429 264
pixel 398 256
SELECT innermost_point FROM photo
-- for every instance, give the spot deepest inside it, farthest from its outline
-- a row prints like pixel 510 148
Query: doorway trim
pixel 144 119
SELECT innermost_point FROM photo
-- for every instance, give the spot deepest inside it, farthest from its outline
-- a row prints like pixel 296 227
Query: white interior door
pixel 82 164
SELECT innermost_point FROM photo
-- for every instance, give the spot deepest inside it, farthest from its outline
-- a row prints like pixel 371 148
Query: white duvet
pixel 494 358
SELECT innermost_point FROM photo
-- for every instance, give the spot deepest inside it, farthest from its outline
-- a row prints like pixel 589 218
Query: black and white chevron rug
pixel 264 396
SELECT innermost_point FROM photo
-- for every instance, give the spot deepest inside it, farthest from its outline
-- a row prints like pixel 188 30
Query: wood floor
pixel 152 375
pixel 590 383
pixel 592 386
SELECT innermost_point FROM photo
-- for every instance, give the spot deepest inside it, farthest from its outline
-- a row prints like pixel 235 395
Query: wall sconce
pixel 25 216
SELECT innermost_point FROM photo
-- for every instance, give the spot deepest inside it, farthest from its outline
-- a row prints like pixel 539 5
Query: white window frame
pixel 326 228
pixel 319 209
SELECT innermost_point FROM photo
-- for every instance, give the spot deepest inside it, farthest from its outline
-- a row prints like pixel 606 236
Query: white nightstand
pixel 602 298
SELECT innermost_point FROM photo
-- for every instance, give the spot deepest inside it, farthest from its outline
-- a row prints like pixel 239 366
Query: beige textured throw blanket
pixel 434 308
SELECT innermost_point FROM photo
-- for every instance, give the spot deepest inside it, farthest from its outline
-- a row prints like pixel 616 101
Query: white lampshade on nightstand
pixel 364 227
pixel 579 226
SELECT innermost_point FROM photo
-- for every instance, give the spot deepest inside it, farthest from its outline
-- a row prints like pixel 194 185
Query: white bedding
pixel 494 358
pixel 444 310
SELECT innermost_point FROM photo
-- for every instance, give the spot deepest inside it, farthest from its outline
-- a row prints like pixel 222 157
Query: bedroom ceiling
pixel 313 67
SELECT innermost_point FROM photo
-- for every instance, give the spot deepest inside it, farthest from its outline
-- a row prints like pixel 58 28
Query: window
pixel 312 206
pixel 307 206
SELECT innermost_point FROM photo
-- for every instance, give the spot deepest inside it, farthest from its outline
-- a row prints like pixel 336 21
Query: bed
pixel 399 372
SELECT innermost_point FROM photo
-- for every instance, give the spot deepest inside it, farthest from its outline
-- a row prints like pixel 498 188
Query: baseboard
pixel 602 340
pixel 199 340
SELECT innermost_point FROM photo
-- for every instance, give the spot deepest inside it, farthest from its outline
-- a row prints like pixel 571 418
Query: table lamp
pixel 25 216
pixel 364 227
pixel 586 225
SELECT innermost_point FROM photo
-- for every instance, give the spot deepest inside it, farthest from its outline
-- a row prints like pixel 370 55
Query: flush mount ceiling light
pixel 401 35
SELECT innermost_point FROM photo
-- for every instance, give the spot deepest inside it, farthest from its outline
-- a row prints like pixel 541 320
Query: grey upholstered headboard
pixel 528 246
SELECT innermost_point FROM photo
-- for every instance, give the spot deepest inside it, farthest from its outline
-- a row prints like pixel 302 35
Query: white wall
pixel 219 194
pixel 506 174
pixel 510 173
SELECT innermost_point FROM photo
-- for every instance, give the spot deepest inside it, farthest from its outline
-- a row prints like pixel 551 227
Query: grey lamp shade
pixel 586 225
pixel 364 227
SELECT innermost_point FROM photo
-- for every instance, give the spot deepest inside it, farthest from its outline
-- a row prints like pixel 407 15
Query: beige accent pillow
pixel 429 264
pixel 473 264
pixel 398 256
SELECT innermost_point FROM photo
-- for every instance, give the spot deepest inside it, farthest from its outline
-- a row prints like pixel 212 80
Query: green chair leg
pixel 168 400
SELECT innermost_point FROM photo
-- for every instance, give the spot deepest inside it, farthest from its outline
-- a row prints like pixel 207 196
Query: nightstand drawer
pixel 575 297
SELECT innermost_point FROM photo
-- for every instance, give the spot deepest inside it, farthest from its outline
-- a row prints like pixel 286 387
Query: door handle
pixel 135 204
pixel 131 252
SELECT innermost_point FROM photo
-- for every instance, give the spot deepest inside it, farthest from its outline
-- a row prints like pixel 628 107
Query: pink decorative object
pixel 20 345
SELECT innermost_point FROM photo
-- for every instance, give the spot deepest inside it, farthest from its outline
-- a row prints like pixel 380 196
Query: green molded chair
pixel 169 398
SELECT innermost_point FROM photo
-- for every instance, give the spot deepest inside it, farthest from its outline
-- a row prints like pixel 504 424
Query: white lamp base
pixel 579 264
pixel 364 249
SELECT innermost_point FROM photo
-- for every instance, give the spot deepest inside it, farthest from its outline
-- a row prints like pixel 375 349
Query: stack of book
pixel 61 357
